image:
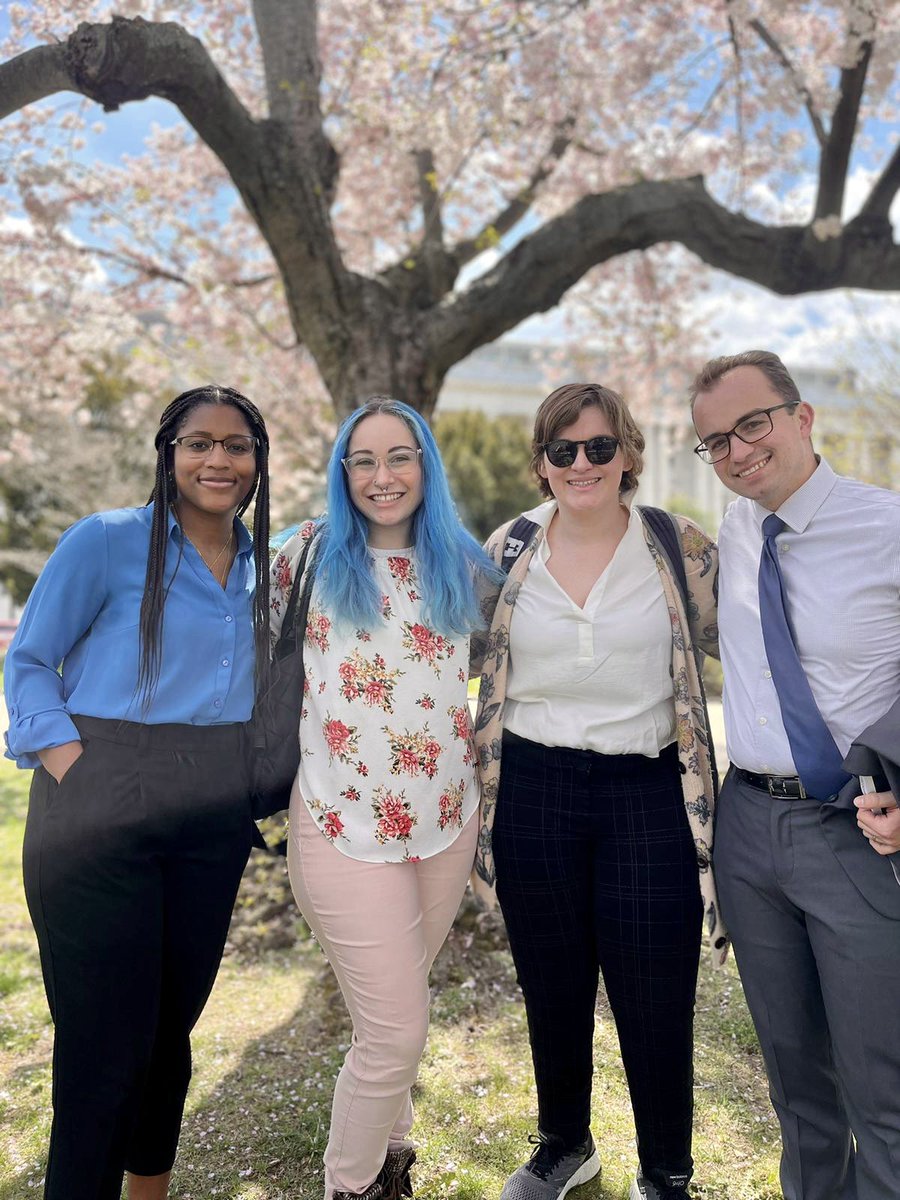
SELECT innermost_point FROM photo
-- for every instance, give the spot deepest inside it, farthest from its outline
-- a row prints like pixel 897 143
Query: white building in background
pixel 509 378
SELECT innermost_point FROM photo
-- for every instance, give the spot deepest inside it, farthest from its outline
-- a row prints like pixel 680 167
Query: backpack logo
pixel 513 547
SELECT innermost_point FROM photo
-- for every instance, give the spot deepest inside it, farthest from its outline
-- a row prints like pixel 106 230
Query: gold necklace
pixel 215 562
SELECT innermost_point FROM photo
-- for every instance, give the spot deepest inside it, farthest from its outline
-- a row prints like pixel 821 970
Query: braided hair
pixel 163 496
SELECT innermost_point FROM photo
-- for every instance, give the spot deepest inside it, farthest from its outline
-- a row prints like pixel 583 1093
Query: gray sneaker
pixel 552 1170
pixel 643 1189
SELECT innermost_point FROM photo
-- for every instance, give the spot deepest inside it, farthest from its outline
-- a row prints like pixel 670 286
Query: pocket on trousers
pixel 57 789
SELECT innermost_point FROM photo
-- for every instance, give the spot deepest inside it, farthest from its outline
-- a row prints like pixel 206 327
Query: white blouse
pixel 598 677
pixel 387 767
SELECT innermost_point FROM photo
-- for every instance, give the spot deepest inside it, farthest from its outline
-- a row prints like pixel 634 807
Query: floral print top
pixel 387 767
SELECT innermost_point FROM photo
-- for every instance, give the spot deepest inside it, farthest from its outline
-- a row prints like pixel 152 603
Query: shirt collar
pixel 244 539
pixel 543 514
pixel 803 504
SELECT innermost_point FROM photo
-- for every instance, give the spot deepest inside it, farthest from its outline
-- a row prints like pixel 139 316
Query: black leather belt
pixel 782 787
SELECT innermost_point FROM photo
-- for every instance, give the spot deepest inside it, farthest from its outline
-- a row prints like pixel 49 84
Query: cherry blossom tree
pixel 384 187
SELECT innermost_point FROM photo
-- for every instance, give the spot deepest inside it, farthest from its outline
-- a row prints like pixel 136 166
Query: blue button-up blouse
pixel 77 646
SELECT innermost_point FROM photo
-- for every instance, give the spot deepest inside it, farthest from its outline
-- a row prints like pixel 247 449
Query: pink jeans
pixel 381 926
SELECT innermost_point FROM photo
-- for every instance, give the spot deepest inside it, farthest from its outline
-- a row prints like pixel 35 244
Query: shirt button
pixel 224 662
pixel 762 721
pixel 217 703
pixel 782 548
pixel 229 617
pixel 767 674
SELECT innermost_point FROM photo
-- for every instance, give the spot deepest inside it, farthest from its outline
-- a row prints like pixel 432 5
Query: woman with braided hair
pixel 128 684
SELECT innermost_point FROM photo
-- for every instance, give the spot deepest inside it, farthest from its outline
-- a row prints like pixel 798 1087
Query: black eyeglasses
pixel 237 446
pixel 562 452
pixel 752 428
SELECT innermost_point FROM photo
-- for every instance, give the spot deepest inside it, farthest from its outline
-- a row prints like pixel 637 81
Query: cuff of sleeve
pixel 40 732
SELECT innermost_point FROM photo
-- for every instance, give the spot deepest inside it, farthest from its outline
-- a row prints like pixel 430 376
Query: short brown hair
pixel 563 407
pixel 770 364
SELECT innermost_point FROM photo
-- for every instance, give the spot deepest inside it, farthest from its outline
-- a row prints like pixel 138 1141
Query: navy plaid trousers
pixel 596 872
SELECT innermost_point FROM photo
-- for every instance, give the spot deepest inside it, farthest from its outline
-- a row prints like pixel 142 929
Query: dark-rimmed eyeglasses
pixel 363 465
pixel 752 428
pixel 562 452
pixel 238 446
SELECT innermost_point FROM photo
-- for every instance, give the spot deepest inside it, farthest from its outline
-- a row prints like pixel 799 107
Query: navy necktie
pixel 816 757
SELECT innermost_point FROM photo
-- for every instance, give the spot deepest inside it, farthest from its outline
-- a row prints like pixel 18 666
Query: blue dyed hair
pixel 447 556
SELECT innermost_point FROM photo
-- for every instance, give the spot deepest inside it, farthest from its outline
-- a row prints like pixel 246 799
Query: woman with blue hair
pixel 384 810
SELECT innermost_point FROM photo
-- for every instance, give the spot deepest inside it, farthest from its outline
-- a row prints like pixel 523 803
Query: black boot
pixel 394 1175
pixel 373 1192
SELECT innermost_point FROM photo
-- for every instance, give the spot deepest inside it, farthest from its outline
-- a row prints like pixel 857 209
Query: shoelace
pixel 547 1154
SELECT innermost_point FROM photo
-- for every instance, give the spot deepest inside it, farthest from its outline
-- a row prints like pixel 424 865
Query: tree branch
pixel 881 197
pixel 738 106
pixel 152 270
pixel 143 266
pixel 279 175
pixel 537 271
pixel 288 36
pixel 131 60
pixel 518 207
pixel 32 75
pixel 803 91
pixel 429 196
pixel 253 281
pixel 836 154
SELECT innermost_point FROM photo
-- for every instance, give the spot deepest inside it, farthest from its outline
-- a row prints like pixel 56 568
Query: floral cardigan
pixel 697 627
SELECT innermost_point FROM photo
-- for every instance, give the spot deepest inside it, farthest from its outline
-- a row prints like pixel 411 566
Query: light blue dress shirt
pixel 77 646
pixel 840 559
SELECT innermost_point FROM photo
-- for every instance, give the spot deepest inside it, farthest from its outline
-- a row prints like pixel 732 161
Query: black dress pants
pixel 131 868
pixel 596 871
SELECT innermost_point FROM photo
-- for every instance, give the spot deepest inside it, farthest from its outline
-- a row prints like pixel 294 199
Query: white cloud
pixel 830 329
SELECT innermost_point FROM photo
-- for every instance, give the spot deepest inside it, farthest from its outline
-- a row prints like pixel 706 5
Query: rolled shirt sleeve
pixel 64 602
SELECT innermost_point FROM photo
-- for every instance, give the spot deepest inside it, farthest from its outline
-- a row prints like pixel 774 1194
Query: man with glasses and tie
pixel 809 629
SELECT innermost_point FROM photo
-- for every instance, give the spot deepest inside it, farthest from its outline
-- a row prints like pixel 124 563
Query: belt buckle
pixel 778 788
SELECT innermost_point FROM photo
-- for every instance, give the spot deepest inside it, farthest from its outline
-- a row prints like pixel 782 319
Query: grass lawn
pixel 272 1037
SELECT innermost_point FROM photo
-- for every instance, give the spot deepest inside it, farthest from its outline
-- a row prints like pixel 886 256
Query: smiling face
pixel 213 484
pixel 387 499
pixel 773 468
pixel 583 487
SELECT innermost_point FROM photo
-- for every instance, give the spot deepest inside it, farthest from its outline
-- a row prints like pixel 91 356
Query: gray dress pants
pixel 821 972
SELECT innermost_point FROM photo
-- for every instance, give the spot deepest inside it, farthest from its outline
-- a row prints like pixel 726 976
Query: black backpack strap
pixel 518 537
pixel 667 535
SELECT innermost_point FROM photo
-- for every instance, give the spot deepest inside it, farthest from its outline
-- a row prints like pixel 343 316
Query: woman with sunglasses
pixel 594 828
pixel 383 815
pixel 139 820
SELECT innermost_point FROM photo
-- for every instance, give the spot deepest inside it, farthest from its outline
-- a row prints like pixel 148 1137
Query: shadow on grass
pixel 261 1130
pixel 257 1130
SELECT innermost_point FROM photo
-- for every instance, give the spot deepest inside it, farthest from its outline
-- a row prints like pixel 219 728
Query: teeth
pixel 752 470
pixel 583 482
pixel 386 497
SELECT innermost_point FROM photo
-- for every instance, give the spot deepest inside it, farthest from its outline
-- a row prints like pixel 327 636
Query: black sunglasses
pixel 562 452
